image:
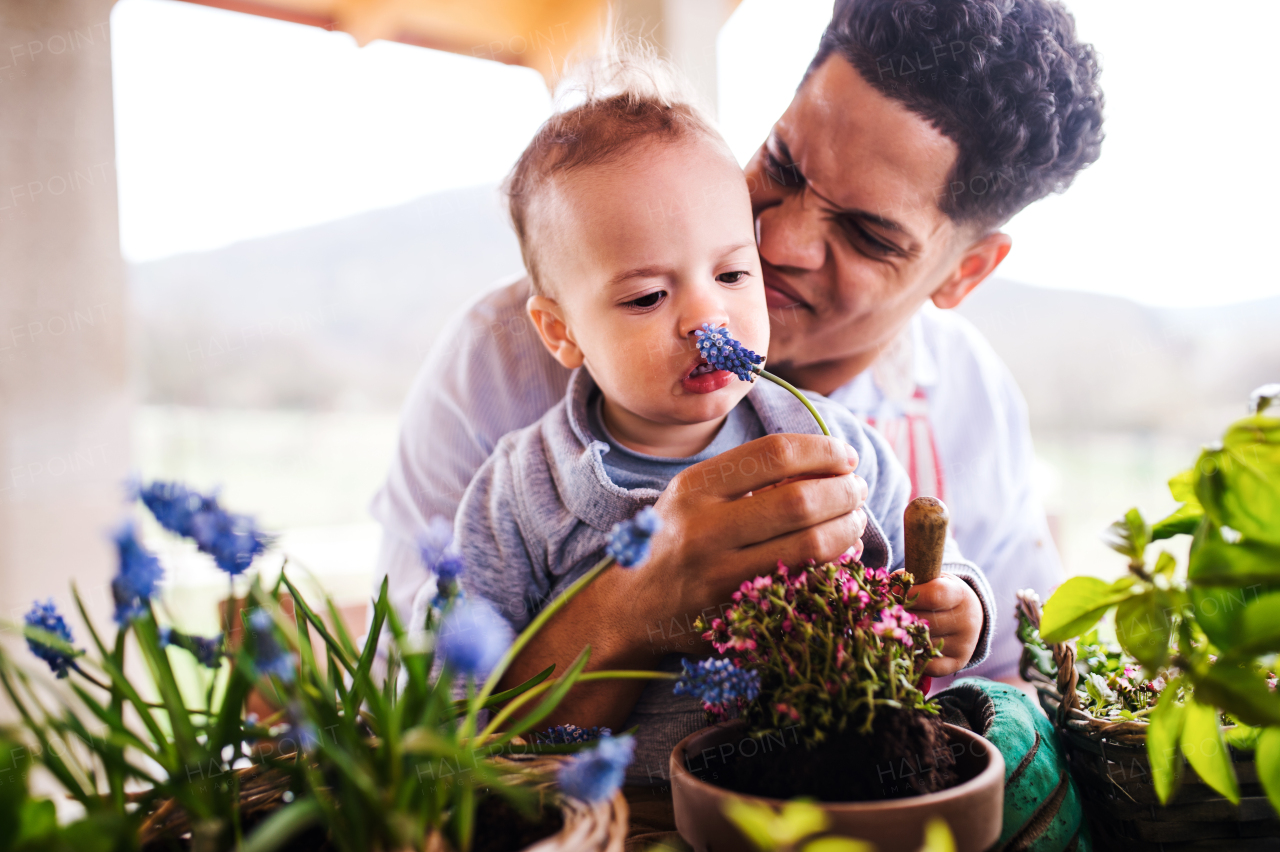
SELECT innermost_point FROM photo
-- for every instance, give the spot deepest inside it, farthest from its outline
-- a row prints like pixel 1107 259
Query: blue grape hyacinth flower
pixel 717 682
pixel 595 775
pixel 45 616
pixel 721 351
pixel 232 540
pixel 441 557
pixel 629 540
pixel 136 578
pixel 570 734
pixel 473 637
pixel 438 552
pixel 206 650
pixel 268 657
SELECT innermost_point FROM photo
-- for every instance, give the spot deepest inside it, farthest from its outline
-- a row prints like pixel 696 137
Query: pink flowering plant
pixel 831 645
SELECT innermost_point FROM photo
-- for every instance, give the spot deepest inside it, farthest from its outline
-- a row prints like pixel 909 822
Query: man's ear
pixel 548 319
pixel 978 261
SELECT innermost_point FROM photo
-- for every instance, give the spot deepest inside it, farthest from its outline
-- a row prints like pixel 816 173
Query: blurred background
pixel 228 240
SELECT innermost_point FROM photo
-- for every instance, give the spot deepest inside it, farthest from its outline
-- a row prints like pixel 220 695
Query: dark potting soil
pixel 907 753
pixel 502 828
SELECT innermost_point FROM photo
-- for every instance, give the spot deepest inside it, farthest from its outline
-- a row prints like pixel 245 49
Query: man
pixel 920 129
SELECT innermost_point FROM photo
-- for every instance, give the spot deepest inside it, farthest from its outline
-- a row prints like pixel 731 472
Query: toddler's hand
pixel 954 614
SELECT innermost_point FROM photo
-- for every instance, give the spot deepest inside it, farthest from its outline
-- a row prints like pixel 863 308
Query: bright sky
pixel 230 127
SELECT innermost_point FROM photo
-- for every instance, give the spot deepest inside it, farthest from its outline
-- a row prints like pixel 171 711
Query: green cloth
pixel 1042 809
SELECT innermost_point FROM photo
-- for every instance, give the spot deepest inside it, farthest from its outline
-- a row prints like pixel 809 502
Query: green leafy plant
pixel 1206 638
pixel 376 763
pixel 799 826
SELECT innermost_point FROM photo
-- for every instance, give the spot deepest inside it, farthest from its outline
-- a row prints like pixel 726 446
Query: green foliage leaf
pixel 37 823
pixel 1182 487
pixel 1240 691
pixel 1165 564
pixel 1184 521
pixel 839 844
pixel 1188 516
pixel 768 829
pixel 1129 535
pixel 1102 695
pixel 937 836
pixel 1144 627
pixel 1206 750
pixel 1241 736
pixel 1238 483
pixel 1162 741
pixel 1239 620
pixel 1214 562
pixel 1267 760
pixel 1078 604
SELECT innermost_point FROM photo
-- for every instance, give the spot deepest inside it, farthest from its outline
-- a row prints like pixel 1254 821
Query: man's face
pixel 845 193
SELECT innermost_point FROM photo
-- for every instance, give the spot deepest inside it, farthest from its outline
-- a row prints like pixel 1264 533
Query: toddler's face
pixel 638 254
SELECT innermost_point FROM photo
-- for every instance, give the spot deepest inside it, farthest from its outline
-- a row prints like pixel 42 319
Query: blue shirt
pixel 630 469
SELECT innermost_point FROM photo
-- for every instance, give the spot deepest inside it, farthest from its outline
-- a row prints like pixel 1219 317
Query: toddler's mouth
pixel 701 369
pixel 704 378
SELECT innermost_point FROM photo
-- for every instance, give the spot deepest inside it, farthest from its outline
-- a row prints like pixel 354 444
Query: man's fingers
pixel 789 508
pixel 765 461
pixel 822 542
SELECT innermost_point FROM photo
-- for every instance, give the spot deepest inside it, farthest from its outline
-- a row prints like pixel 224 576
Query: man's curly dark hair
pixel 1007 80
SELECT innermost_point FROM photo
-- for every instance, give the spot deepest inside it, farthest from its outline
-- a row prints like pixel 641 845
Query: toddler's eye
pixel 732 277
pixel 648 300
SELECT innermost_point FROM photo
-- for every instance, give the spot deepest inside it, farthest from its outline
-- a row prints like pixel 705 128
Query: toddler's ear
pixel 548 319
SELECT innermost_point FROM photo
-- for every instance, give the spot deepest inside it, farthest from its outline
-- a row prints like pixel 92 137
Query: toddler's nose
pixel 711 321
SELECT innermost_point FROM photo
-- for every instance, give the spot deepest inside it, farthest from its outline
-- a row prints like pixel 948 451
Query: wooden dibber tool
pixel 924 533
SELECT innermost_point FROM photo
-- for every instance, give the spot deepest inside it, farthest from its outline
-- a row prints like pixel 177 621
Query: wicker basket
pixel 588 826
pixel 1109 762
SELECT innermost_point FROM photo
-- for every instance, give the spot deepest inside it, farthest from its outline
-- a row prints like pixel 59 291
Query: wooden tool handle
pixel 925 533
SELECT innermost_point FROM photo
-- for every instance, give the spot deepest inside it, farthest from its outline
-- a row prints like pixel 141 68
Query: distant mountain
pixel 1088 361
pixel 333 315
pixel 341 315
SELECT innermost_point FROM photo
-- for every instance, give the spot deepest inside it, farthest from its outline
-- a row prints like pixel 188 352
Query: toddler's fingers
pixel 946 592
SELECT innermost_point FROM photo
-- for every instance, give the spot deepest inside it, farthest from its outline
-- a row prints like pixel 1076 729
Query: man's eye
pixel 866 242
pixel 648 300
pixel 787 175
pixel 732 277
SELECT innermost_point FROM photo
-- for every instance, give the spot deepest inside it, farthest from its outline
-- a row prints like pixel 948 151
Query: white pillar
pixel 685 31
pixel 64 389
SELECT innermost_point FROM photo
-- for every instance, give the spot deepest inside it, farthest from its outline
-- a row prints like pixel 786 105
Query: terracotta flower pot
pixel 973 809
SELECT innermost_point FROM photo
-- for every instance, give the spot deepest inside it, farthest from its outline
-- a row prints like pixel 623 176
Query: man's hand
pixel 954 614
pixel 713 538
